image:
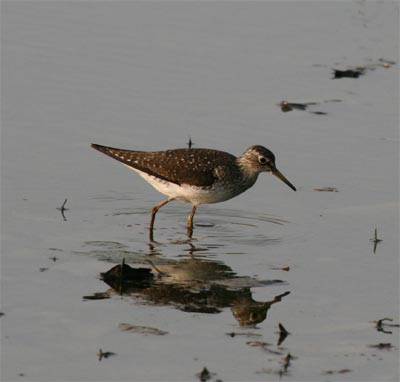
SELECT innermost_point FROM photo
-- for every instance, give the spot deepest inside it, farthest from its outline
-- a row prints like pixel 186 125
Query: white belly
pixel 186 193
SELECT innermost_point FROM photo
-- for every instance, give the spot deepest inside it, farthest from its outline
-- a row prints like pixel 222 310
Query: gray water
pixel 147 76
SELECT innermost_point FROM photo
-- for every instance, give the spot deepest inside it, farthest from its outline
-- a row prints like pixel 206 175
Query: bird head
pixel 259 159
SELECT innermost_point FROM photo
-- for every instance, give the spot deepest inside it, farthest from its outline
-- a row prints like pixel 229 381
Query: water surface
pixel 147 76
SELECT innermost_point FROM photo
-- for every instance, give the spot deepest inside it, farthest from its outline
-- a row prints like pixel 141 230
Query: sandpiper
pixel 195 175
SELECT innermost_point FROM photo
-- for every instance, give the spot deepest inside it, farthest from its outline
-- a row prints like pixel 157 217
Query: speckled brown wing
pixel 195 167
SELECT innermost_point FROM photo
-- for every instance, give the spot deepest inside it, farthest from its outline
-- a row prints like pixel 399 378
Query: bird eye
pixel 262 160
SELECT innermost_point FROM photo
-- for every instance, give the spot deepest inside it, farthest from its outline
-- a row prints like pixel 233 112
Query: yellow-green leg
pixel 190 221
pixel 154 211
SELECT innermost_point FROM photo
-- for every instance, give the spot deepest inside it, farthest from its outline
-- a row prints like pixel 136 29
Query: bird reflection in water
pixel 249 312
pixel 192 285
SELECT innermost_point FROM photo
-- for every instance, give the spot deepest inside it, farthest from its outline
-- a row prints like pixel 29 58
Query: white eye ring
pixel 262 160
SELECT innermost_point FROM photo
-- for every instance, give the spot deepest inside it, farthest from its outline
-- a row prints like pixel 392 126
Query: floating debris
pixel 360 70
pixel 382 346
pixel 123 276
pixel 319 112
pixel 342 371
pixel 257 343
pixel 141 329
pixel 53 258
pixel 247 334
pixel 326 189
pixel 43 269
pixel 348 73
pixel 289 106
pixel 286 269
pixel 97 296
pixel 386 63
pixel 106 354
pixel 190 143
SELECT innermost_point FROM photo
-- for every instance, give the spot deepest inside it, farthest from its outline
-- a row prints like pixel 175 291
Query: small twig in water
pixel 283 333
pixel 380 325
pixel 105 354
pixel 62 209
pixel 286 362
pixel 375 240
pixel 205 375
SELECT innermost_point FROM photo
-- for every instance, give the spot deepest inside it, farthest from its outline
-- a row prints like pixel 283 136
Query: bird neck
pixel 249 179
pixel 246 167
pixel 249 176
